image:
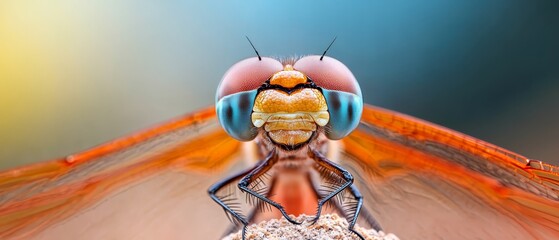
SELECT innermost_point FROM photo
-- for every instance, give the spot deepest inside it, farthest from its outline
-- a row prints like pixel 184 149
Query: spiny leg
pixel 353 208
pixel 367 216
pixel 337 180
pixel 227 202
pixel 350 207
pixel 253 180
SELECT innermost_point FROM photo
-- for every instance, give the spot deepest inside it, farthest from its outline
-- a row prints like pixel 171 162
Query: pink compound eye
pixel 246 75
pixel 328 73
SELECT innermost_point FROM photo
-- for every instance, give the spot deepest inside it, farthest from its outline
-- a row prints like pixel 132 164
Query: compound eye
pixel 328 73
pixel 246 75
pixel 236 93
pixel 341 91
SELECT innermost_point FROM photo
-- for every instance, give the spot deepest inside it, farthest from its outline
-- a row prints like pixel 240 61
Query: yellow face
pixel 290 118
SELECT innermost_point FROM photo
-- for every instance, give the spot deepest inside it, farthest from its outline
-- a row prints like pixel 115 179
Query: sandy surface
pixel 329 226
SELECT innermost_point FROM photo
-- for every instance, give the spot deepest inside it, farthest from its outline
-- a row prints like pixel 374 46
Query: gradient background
pixel 74 74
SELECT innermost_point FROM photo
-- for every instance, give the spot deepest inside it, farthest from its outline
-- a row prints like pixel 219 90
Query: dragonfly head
pixel 289 104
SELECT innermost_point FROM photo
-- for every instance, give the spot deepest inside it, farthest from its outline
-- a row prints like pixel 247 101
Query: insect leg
pixel 251 180
pixel 226 201
pixel 337 179
pixel 349 208
pixel 367 215
pixel 355 207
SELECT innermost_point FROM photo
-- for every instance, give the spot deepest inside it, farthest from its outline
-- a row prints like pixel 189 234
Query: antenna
pixel 257 54
pixel 321 57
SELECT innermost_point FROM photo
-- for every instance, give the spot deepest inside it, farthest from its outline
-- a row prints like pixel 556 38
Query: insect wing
pixel 419 180
pixel 150 185
pixel 422 181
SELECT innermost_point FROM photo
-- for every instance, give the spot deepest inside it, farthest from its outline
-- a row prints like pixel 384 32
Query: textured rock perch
pixel 329 226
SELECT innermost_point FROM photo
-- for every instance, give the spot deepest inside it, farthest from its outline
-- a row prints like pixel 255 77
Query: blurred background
pixel 75 74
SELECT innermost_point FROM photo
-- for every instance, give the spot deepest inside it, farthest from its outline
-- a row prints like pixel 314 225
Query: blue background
pixel 74 74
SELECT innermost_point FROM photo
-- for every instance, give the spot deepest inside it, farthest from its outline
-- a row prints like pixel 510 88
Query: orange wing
pixel 422 181
pixel 151 185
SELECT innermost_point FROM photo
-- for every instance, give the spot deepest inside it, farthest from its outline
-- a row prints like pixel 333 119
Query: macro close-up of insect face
pixel 290 105
pixel 360 120
pixel 291 108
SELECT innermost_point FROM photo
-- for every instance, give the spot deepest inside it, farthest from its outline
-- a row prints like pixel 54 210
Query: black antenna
pixel 321 57
pixel 259 58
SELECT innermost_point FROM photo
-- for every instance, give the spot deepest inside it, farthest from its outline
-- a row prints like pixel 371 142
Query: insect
pixel 417 179
pixel 292 114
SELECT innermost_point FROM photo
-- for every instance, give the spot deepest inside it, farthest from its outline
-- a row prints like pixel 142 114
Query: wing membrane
pixel 66 198
pixel 423 181
pixel 419 180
